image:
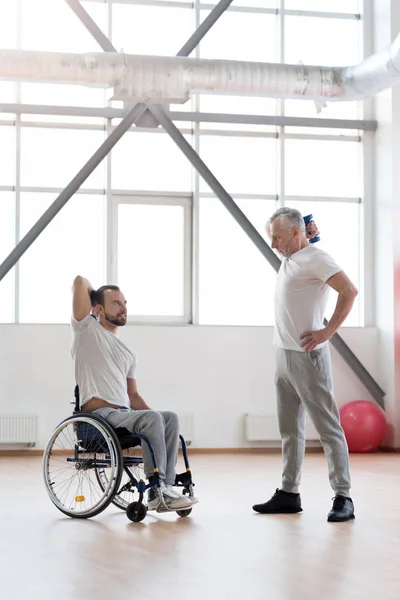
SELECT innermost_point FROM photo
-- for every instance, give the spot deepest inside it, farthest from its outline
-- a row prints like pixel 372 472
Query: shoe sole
pixel 333 520
pixel 279 512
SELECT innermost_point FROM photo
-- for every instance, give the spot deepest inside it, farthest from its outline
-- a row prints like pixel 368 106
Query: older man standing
pixel 303 375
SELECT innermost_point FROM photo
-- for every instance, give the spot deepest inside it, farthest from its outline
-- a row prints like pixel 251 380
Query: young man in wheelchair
pixel 105 371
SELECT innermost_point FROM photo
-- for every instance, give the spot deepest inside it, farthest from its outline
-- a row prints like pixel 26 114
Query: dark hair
pixel 97 296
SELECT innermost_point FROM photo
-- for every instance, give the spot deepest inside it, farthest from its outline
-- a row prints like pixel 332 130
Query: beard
pixel 287 252
pixel 119 320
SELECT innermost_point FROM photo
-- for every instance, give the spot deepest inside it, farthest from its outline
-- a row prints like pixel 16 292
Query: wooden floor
pixel 223 551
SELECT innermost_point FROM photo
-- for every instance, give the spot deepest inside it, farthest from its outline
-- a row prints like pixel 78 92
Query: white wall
pixel 216 373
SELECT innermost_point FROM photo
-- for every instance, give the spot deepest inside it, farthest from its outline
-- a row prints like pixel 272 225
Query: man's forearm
pixel 137 402
pixel 344 305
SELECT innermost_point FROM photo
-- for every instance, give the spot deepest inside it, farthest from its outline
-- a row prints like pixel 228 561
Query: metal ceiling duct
pixel 156 79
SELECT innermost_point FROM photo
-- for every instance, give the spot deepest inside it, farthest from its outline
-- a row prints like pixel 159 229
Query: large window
pixel 236 282
pixel 144 218
pixel 152 256
pixel 150 161
pixel 73 244
pixel 52 157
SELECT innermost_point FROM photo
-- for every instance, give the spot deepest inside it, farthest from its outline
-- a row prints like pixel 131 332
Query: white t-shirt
pixel 102 363
pixel 301 295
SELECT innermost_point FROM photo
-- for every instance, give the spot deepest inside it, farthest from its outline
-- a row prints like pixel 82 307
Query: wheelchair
pixel 87 465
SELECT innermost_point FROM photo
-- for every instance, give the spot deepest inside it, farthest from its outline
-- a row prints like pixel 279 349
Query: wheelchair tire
pixel 136 512
pixel 185 512
pixel 78 447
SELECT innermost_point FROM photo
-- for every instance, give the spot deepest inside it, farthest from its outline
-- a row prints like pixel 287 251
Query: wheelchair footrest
pixel 184 479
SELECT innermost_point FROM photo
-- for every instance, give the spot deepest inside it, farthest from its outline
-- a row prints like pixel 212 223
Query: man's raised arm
pixel 81 302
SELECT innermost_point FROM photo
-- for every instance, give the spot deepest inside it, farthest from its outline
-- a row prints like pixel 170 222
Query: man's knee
pixel 170 418
pixel 154 421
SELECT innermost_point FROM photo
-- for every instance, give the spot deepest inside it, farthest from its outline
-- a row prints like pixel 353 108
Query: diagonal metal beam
pixel 375 390
pixel 88 22
pixel 70 190
pixel 186 49
pixel 340 345
pixel 158 112
pixel 131 117
pixel 204 27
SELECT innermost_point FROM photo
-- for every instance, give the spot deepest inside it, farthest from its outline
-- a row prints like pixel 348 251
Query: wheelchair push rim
pixel 79 447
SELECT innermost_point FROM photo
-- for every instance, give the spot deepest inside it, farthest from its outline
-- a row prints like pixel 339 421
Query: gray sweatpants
pixel 162 430
pixel 304 383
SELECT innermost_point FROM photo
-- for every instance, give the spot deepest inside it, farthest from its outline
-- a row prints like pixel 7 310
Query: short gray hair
pixel 289 218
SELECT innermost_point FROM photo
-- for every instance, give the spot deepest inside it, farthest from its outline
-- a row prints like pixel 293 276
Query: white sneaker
pixel 172 499
pixel 193 499
pixel 153 498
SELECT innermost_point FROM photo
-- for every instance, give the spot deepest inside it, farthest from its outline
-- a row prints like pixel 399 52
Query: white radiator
pixel 19 429
pixel 186 422
pixel 263 427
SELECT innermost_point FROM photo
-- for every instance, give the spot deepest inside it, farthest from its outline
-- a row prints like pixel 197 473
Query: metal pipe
pixel 160 79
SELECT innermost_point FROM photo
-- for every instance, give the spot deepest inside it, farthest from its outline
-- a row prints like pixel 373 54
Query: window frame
pixel 154 199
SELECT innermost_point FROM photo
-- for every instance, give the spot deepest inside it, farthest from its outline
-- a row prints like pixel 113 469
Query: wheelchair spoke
pixel 70 466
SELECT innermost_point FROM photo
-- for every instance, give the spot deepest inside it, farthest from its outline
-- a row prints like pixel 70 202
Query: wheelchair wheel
pixel 78 448
pixel 136 512
pixel 185 512
pixel 127 491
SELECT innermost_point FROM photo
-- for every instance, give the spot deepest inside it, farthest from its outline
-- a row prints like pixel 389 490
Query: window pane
pixel 74 243
pixel 306 41
pixel 7 244
pixel 151 258
pixel 236 282
pixel 61 95
pixel 332 110
pixel 7 91
pixel 236 104
pixel 52 25
pixel 241 164
pixel 152 30
pixel 150 161
pixel 323 168
pixel 344 6
pixel 251 3
pixel 52 157
pixel 7 155
pixel 8 24
pixel 241 36
pixel 330 218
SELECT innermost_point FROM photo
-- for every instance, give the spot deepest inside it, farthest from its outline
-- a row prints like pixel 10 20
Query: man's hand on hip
pixel 311 339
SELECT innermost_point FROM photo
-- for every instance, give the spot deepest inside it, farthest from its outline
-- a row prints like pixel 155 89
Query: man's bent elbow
pixel 78 280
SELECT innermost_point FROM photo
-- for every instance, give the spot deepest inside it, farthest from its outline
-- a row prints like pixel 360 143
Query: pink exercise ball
pixel 364 425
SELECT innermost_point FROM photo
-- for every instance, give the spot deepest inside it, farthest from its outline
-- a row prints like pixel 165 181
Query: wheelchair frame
pixel 98 447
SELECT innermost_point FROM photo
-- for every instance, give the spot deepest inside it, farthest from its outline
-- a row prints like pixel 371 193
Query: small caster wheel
pixel 184 513
pixel 136 511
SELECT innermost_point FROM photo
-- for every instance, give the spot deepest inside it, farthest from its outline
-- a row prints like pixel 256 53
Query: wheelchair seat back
pixel 94 440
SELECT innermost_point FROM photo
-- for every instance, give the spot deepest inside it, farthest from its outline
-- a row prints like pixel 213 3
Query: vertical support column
pixel 395 132
pixel 387 221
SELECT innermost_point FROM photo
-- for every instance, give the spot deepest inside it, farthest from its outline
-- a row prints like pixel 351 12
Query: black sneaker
pixel 280 503
pixel 342 509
